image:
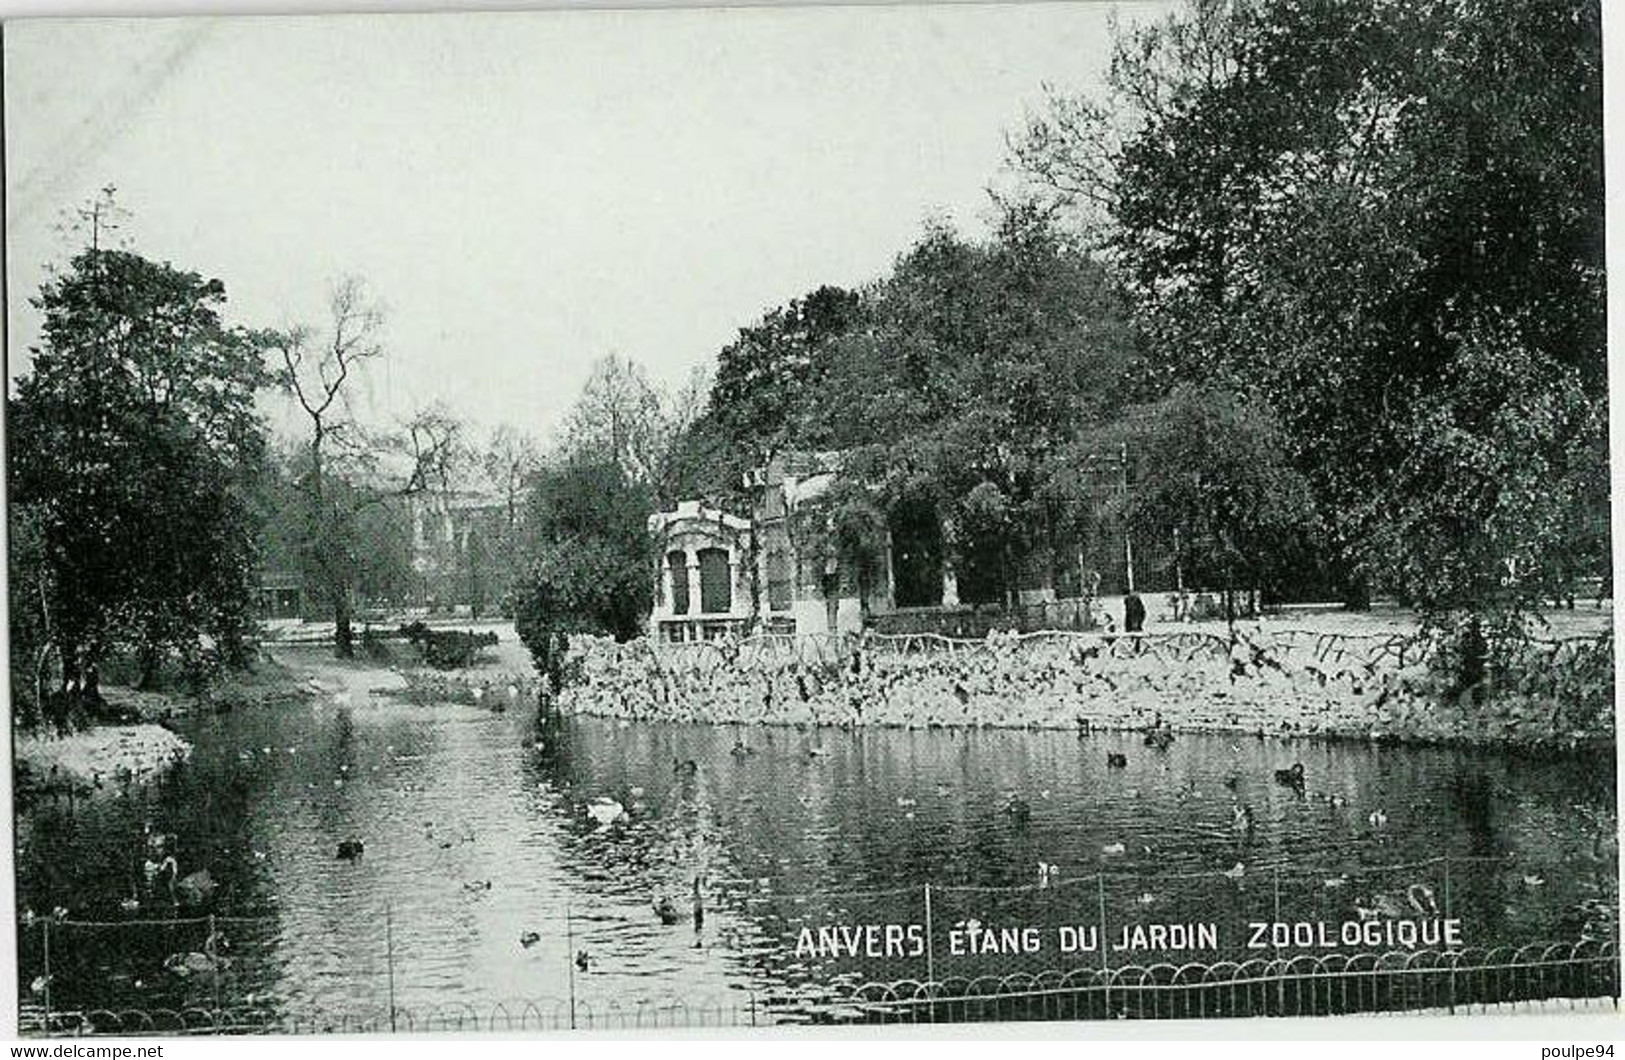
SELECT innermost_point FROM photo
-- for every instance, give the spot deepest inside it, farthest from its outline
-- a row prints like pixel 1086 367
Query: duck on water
pixel 1291 778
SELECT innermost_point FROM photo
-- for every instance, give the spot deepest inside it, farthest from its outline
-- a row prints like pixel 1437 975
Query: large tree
pixel 133 439
pixel 590 558
pixel 317 371
pixel 977 363
pixel 1213 467
pixel 347 469
pixel 623 415
pixel 510 458
pixel 1365 213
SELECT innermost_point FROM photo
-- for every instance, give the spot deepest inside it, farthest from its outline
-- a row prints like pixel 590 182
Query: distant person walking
pixel 1133 613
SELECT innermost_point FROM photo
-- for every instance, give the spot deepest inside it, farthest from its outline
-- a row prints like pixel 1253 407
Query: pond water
pixel 485 877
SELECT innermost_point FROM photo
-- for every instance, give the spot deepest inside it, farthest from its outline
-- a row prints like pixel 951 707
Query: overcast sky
pixel 526 192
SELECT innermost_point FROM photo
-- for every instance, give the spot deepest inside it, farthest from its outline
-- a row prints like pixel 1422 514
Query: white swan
pixel 605 811
pixel 210 960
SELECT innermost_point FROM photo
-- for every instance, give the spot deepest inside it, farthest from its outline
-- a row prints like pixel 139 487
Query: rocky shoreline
pixel 132 741
pixel 104 755
pixel 1260 683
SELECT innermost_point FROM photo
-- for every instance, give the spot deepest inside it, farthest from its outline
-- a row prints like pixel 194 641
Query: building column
pixel 663 587
pixel 738 586
pixel 891 572
pixel 691 561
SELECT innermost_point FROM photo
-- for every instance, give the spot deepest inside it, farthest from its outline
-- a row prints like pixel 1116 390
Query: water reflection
pixel 484 875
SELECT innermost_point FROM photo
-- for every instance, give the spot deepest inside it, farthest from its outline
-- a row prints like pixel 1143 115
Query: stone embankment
pixel 1264 681
pixel 98 757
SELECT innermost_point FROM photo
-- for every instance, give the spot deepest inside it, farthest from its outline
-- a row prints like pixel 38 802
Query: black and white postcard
pixel 828 516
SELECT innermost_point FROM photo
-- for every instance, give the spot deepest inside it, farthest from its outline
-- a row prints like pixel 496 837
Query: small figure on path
pixel 699 913
pixel 1133 613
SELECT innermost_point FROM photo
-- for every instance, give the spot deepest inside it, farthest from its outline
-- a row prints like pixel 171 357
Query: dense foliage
pixel 951 383
pixel 1215 466
pixel 1384 222
pixel 133 442
pixel 591 558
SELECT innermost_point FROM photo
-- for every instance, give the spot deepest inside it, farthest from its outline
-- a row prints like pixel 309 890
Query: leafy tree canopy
pixel 591 558
pixel 134 438
pixel 1362 213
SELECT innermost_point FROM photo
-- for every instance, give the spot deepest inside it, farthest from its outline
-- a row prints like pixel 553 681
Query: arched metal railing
pixel 1562 974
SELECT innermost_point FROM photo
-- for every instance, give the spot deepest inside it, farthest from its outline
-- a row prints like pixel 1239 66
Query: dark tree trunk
pixel 1474 659
pixel 343 635
pixel 151 659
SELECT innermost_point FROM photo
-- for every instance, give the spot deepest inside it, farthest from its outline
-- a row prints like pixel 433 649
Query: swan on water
pixel 193 889
pixel 1421 898
pixel 605 811
pixel 210 960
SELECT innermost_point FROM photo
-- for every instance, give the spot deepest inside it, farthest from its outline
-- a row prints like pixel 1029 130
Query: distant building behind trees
pixel 465 550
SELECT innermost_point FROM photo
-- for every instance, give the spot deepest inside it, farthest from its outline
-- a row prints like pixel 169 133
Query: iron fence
pixel 1356 939
pixel 1567 975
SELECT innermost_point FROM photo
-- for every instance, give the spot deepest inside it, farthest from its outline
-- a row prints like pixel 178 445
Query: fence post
pixel 570 961
pixel 212 945
pixel 930 956
pixel 1106 972
pixel 389 959
pixel 47 930
pixel 930 960
pixel 1452 1002
pixel 1280 982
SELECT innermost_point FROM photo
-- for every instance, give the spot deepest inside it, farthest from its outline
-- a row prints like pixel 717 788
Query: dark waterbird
pixel 666 910
pixel 1159 735
pixel 1018 810
pixel 1115 760
pixel 1292 778
pixel 351 850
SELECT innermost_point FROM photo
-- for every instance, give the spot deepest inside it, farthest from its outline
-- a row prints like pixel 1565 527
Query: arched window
pixel 677 563
pixel 716 582
pixel 778 580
